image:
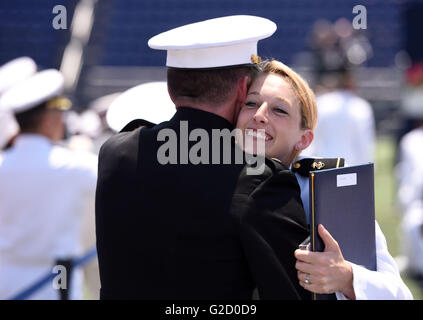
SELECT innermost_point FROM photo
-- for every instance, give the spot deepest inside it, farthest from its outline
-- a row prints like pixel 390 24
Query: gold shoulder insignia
pixel 305 165
pixel 318 165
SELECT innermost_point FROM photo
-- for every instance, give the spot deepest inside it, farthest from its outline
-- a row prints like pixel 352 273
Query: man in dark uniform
pixel 198 231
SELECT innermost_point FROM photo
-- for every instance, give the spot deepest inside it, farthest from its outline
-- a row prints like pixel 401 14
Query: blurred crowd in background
pixel 338 60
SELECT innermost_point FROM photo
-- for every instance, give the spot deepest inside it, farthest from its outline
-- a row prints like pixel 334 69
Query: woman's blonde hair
pixel 305 96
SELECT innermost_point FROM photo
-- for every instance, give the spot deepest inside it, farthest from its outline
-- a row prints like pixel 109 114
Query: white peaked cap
pixel 220 42
pixel 412 104
pixel 32 91
pixel 15 71
pixel 149 101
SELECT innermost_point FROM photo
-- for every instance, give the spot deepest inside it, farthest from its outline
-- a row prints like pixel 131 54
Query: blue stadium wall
pixel 122 27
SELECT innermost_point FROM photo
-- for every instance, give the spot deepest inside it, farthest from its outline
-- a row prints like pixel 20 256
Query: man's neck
pixel 224 111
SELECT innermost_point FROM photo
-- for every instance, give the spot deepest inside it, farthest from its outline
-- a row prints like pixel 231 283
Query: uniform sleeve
pixel 89 179
pixel 117 164
pixel 383 284
pixel 272 225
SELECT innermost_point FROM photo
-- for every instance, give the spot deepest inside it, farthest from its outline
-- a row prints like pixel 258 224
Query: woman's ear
pixel 306 140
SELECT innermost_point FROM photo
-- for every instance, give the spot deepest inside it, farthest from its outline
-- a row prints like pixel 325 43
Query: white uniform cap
pixel 220 42
pixel 149 101
pixel 8 128
pixel 102 104
pixel 87 123
pixel 32 91
pixel 15 71
pixel 412 104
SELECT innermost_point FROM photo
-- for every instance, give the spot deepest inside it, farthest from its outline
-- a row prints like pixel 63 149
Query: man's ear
pixel 242 89
pixel 306 139
pixel 241 94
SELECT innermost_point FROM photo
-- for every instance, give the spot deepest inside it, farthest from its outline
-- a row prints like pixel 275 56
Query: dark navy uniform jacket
pixel 185 231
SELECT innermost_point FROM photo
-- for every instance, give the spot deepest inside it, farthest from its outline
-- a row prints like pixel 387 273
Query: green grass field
pixel 385 197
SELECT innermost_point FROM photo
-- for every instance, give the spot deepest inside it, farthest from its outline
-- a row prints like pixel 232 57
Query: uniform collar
pixel 201 119
pixel 34 140
pixel 304 165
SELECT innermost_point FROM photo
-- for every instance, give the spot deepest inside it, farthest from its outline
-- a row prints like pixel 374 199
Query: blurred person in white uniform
pixel 100 106
pixel 409 174
pixel 11 73
pixel 43 191
pixel 346 126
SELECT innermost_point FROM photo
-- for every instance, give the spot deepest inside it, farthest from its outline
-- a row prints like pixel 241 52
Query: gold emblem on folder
pixel 318 165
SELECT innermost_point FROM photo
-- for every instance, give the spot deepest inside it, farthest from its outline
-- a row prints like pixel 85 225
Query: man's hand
pixel 327 271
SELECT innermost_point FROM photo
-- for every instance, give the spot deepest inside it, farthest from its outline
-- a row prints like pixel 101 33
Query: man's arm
pixel 272 225
pixel 117 168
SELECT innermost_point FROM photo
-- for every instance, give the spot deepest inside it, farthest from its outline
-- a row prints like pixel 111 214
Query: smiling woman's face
pixel 271 105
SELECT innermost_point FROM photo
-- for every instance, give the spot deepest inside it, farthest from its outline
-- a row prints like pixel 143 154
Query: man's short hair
pixel 212 86
pixel 30 120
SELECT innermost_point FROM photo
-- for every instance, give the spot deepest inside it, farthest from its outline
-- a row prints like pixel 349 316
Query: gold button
pixel 297 165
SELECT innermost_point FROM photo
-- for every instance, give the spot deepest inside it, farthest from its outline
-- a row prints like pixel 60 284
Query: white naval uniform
pixel 410 197
pixel 345 128
pixel 383 284
pixel 409 171
pixel 43 191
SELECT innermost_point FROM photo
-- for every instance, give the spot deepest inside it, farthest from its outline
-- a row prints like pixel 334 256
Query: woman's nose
pixel 261 114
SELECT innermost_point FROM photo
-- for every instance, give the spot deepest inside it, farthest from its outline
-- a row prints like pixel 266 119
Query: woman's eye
pixel 280 110
pixel 250 104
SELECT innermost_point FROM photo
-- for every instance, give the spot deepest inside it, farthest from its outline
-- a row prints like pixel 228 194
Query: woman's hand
pixel 326 271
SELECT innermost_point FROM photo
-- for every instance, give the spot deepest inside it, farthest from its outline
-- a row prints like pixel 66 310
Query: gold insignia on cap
pixel 59 103
pixel 318 165
pixel 297 165
pixel 255 59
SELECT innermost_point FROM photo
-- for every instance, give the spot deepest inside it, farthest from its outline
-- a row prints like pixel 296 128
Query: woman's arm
pixel 383 284
pixel 329 272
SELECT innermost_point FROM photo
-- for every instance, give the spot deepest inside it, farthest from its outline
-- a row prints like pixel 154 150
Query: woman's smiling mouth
pixel 258 134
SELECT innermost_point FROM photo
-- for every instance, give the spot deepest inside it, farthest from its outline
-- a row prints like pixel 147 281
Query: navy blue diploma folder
pixel 342 200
